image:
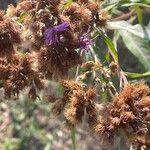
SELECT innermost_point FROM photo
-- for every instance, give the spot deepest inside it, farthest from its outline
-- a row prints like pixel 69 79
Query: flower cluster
pixel 76 100
pixel 9 36
pixel 51 34
pixel 56 31
pixel 39 40
pixel 128 112
pixel 16 70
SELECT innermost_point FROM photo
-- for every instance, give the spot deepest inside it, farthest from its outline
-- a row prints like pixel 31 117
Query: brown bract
pixel 94 7
pixel 129 112
pixel 24 6
pixel 57 60
pixel 17 74
pixel 75 101
pixel 8 37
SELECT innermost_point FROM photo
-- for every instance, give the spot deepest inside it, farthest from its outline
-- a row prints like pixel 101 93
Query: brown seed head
pixel 93 7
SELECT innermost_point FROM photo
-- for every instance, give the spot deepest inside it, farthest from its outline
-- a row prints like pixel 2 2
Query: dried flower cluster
pixel 128 112
pixel 56 31
pixel 42 37
pixel 76 100
pixel 8 37
pixel 100 76
pixel 16 71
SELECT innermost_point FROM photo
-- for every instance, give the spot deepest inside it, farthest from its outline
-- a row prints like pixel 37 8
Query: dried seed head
pixel 127 112
pixel 74 110
pixel 144 102
pixel 88 65
pixel 24 6
pixel 127 116
pixel 99 128
pixel 91 94
pixel 8 36
pixel 93 7
pixel 115 122
pixel 85 14
pixel 102 18
pixel 71 85
pixel 72 9
pixel 113 67
pixel 17 73
pixel 57 60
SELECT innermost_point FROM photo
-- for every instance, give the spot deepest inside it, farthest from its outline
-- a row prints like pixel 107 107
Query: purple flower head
pixel 85 42
pixel 51 34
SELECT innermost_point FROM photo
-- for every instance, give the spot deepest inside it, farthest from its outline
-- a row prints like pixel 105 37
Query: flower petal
pixel 62 27
pixel 50 36
pixel 85 42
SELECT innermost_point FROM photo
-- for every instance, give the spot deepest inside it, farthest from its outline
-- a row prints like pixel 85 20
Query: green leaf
pixel 73 138
pixel 136 30
pixel 67 4
pixel 112 2
pixel 21 18
pixel 137 75
pixel 111 46
pixel 109 7
pixel 135 4
pixel 139 13
pixel 137 40
pixel 138 47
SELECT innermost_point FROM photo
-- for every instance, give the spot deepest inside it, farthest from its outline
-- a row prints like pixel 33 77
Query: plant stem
pixel 78 67
pixel 125 16
pixel 94 54
pixel 73 138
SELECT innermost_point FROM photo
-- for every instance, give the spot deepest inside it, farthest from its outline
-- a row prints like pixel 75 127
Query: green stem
pixel 78 67
pixel 94 54
pixel 73 138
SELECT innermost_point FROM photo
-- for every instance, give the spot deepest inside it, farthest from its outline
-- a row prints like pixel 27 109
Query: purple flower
pixel 85 42
pixel 51 34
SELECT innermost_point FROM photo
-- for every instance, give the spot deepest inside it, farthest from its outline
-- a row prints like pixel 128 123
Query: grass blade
pixel 137 75
pixel 111 46
pixel 73 138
